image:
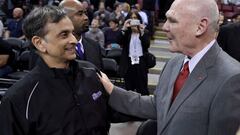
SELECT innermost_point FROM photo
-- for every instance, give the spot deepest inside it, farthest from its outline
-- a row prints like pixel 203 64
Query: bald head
pixel 17 13
pixel 70 5
pixel 191 25
pixel 200 9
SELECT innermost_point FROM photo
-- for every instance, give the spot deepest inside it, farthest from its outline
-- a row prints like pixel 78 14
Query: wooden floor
pixel 128 128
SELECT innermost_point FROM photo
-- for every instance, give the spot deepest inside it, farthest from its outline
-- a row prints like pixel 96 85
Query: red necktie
pixel 182 76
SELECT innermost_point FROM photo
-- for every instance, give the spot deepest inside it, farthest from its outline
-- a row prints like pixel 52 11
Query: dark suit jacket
pixel 208 103
pixel 92 52
pixel 229 39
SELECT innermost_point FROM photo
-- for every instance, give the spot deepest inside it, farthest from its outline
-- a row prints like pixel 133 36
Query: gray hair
pixel 34 24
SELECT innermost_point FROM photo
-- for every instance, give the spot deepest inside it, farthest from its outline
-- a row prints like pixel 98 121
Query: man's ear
pixel 39 43
pixel 202 27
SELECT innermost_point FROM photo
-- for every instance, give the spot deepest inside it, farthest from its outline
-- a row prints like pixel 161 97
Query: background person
pixel 1 28
pixel 6 58
pixel 87 49
pixel 14 26
pixel 135 43
pixel 95 33
pixel 228 39
pixel 112 34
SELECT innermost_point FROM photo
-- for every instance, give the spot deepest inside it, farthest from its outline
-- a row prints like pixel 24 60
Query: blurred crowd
pixel 106 22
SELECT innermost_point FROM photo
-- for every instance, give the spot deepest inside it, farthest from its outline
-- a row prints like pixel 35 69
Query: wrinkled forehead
pixel 180 8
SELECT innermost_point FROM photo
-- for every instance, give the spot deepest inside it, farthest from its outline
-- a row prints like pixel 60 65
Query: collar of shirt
pixel 195 59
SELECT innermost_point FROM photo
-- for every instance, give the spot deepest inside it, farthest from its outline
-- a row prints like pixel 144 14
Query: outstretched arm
pixel 129 102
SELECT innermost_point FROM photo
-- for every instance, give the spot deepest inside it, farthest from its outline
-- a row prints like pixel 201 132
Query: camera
pixel 134 22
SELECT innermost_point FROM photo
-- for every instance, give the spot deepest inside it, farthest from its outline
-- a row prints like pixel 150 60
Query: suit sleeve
pixel 225 110
pixel 132 103
pixel 12 121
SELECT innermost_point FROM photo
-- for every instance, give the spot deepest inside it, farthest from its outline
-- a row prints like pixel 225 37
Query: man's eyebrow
pixel 64 31
pixel 170 18
pixel 81 11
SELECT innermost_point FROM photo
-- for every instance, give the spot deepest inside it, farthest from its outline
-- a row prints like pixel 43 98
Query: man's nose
pixel 165 26
pixel 73 40
pixel 85 17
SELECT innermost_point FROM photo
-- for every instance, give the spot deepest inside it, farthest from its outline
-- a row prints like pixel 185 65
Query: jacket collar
pixel 55 72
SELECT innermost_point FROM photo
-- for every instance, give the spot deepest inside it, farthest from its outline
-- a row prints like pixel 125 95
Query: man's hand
pixel 106 82
pixel 3 60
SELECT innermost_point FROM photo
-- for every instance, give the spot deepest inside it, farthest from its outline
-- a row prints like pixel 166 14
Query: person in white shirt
pixel 135 43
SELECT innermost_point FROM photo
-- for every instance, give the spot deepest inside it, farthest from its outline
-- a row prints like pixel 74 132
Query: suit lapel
pixel 175 71
pixel 85 47
pixel 191 84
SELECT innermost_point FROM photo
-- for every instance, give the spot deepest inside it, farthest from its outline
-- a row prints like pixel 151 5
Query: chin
pixel 72 57
pixel 85 29
pixel 172 49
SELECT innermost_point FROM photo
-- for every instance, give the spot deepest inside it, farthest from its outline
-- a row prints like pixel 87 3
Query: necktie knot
pixel 185 69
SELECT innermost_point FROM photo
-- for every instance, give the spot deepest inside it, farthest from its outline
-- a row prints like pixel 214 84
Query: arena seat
pixel 148 127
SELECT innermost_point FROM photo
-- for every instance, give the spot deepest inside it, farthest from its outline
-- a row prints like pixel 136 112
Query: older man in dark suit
pixel 198 91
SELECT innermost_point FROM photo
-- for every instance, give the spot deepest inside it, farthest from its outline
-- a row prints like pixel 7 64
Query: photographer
pixel 135 41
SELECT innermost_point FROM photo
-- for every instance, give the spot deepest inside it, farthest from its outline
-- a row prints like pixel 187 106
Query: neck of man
pixel 201 45
pixel 54 63
pixel 78 36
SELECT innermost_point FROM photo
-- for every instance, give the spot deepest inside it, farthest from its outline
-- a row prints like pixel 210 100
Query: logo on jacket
pixel 96 95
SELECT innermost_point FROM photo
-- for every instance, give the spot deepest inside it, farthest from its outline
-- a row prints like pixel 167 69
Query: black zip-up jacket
pixel 51 101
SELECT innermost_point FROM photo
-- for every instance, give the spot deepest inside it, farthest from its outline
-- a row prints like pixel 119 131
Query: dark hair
pixel 117 4
pixel 34 24
pixel 136 13
pixel 113 19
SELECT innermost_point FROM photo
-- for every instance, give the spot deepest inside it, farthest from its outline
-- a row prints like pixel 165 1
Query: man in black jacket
pixel 228 39
pixel 60 95
pixel 86 48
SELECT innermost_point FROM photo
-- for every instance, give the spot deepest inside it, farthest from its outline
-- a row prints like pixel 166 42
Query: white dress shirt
pixel 195 59
pixel 135 48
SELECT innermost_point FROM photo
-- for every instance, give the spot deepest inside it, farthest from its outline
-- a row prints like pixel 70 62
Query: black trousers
pixel 136 78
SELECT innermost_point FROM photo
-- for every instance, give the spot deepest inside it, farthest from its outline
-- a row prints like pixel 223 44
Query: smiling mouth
pixel 169 38
pixel 70 49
